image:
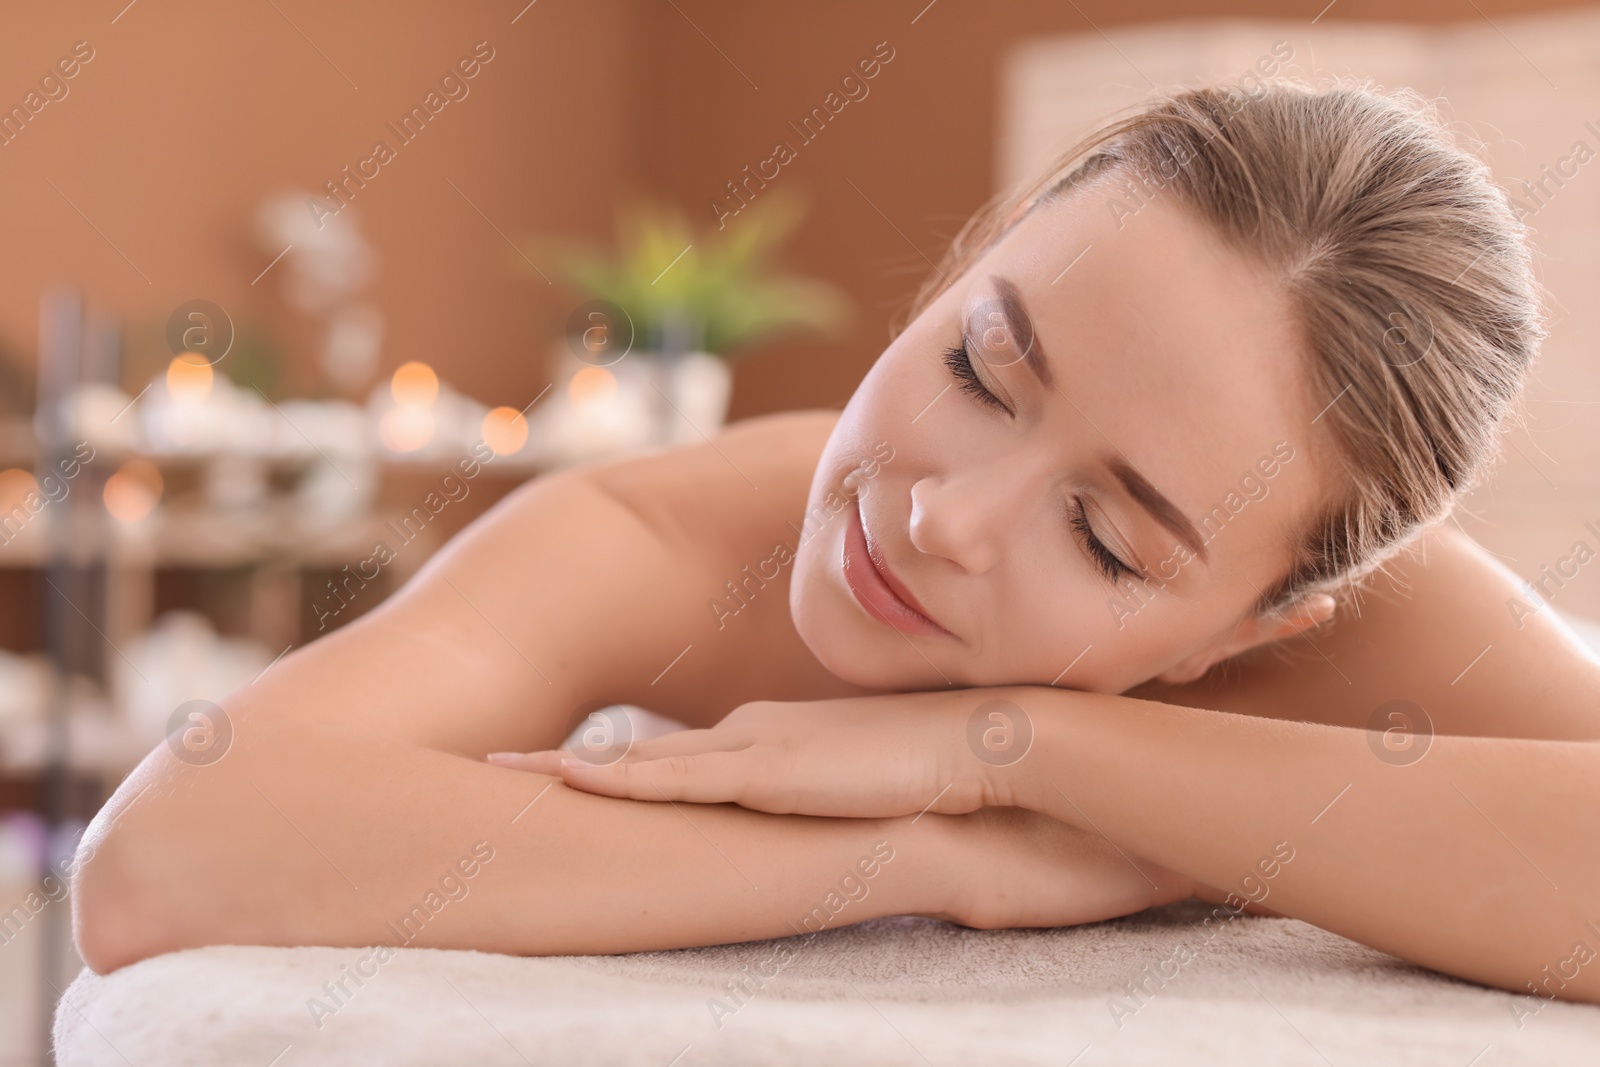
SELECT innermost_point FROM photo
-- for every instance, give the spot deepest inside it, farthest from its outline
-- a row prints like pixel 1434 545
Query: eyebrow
pixel 1009 298
pixel 1160 508
pixel 1138 486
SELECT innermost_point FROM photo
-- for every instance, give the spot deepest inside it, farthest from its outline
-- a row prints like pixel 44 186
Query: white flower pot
pixel 699 385
pixel 644 400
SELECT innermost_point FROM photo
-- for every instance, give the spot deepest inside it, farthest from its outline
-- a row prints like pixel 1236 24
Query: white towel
pixel 890 991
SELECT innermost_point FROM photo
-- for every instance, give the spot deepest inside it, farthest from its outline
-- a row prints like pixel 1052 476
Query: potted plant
pixel 670 309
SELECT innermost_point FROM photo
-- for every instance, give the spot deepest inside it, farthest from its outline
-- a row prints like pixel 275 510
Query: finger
pixel 546 762
pixel 699 778
pixel 679 743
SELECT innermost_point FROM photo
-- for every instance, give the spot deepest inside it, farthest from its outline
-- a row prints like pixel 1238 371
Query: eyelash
pixel 959 361
pixel 1104 559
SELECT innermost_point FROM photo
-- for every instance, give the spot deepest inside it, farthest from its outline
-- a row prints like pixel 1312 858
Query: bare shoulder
pixel 1446 627
pixel 710 512
pixel 751 468
pixel 814 424
pixel 783 444
pixel 581 587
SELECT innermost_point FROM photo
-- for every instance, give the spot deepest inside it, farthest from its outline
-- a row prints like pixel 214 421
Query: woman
pixel 1057 611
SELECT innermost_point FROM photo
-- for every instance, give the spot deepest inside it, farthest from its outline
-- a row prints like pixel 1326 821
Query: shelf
pixel 217 540
pixel 19 448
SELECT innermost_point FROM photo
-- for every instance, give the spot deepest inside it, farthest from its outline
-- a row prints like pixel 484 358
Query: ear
pixel 1251 631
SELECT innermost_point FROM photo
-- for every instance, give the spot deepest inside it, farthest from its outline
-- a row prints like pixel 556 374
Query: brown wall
pixel 920 146
pixel 191 112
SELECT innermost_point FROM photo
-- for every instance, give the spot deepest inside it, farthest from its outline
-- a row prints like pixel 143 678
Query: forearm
pixel 330 836
pixel 1476 860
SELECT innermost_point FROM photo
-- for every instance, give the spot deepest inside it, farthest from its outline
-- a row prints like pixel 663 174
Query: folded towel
pixel 1146 989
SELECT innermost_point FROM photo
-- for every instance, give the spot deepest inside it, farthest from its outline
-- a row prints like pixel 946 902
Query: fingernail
pixel 503 757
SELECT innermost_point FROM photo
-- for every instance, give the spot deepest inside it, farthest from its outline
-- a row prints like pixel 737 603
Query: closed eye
pixel 959 361
pixel 1105 560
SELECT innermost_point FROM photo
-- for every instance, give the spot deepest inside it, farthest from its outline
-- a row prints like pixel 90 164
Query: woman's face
pixel 1100 500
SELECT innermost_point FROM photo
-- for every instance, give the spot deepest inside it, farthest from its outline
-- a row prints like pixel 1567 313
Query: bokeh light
pixel 189 377
pixel 505 431
pixel 414 385
pixel 591 385
pixel 132 492
pixel 406 428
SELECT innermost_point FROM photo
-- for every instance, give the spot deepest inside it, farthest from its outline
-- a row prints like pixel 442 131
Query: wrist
pixel 1019 776
pixel 930 882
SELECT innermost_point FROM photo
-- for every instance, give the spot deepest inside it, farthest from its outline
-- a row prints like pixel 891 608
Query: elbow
pixel 102 932
pixel 175 863
pixel 110 926
pixel 123 909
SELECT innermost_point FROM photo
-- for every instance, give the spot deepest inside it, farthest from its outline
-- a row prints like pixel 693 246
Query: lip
pixel 875 586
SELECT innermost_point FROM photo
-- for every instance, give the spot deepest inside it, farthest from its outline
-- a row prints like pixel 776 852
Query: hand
pixel 861 757
pixel 1011 867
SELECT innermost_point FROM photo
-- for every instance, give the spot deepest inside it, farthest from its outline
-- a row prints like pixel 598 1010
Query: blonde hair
pixel 1410 274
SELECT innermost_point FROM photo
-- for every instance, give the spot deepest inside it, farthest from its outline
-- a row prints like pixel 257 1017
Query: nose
pixel 964 516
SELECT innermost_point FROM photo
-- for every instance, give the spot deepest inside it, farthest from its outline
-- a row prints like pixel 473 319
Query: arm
pixel 338 842
pixel 1475 859
pixel 1453 860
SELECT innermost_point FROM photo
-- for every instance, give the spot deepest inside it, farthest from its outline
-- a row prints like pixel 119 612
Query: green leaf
pixel 720 288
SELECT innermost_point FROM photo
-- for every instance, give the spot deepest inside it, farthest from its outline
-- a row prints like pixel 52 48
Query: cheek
pixel 817 536
pixel 1152 631
pixel 1048 629
pixel 810 571
pixel 824 618
pixel 898 387
pixel 1069 629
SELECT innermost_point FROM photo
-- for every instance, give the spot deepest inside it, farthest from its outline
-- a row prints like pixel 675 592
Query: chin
pixel 826 631
pixel 830 643
pixel 835 631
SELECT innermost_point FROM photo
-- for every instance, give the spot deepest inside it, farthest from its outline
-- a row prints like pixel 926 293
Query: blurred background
pixel 292 292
